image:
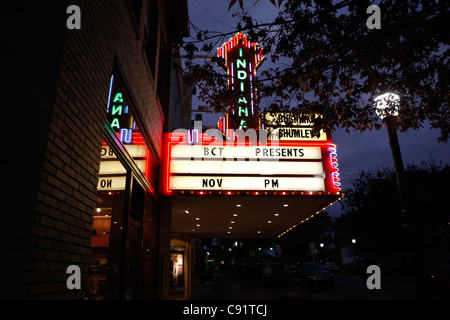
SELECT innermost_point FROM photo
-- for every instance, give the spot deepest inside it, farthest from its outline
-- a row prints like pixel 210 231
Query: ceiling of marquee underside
pixel 233 216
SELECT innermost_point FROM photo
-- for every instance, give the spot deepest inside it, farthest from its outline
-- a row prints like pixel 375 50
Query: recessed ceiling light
pixel 197 218
pixel 238 205
pixel 198 225
pixel 258 231
pixel 276 214
pixel 98 209
pixel 228 231
pixel 285 205
pixel 235 215
pixel 269 221
pixel 230 227
pixel 187 211
pixel 232 221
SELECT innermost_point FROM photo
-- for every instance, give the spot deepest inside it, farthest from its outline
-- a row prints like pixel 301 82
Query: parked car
pixel 314 274
pixel 438 279
pixel 332 266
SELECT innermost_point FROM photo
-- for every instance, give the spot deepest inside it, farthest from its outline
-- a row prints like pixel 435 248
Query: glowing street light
pixel 387 108
pixel 387 105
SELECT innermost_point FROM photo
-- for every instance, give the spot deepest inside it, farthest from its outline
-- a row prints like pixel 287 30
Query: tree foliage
pixel 323 59
pixel 295 243
pixel 373 215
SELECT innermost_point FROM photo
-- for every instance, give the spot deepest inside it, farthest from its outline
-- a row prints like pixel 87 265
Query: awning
pixel 252 216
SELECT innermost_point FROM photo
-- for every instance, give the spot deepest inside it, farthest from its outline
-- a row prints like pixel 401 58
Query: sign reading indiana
pixel 289 126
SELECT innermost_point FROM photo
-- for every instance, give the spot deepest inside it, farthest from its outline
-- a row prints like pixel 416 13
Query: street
pixel 347 287
pixel 353 287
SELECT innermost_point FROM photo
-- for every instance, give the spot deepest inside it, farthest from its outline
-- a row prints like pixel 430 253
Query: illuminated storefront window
pixel 123 241
pixel 107 228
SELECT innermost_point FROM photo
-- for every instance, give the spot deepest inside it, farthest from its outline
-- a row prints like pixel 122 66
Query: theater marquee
pixel 214 166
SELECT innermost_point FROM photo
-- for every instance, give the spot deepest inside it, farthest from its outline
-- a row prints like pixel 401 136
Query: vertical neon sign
pixel 122 120
pixel 334 166
pixel 119 116
pixel 242 59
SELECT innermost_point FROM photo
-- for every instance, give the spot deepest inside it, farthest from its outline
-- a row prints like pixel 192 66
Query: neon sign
pixel 334 166
pixel 121 119
pixel 242 59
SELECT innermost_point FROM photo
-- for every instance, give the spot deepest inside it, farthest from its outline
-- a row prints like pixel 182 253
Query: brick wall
pixel 62 222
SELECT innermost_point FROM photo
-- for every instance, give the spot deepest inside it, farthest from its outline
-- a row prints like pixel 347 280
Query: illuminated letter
pixel 74 280
pixel 115 123
pixel 242 86
pixel 241 63
pixel 191 135
pixel 118 97
pixel 241 74
pixel 125 135
pixel 74 21
pixel 116 109
pixel 243 110
pixel 374 21
pixel 243 124
pixel 242 99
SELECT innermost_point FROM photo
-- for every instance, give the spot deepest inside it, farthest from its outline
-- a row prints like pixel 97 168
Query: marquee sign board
pixel 213 166
pixel 289 126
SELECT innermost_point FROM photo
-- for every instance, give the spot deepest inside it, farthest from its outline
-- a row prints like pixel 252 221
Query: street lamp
pixel 387 108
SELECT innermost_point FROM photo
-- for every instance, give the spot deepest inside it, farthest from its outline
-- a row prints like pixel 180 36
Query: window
pixel 124 231
pixel 108 227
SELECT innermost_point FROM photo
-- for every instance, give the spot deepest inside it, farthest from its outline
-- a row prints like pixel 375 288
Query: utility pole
pixel 387 109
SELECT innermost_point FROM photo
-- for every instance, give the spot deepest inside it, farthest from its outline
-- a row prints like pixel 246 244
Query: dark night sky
pixel 356 151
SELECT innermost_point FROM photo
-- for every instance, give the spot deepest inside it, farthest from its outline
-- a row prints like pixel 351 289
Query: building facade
pixel 87 108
